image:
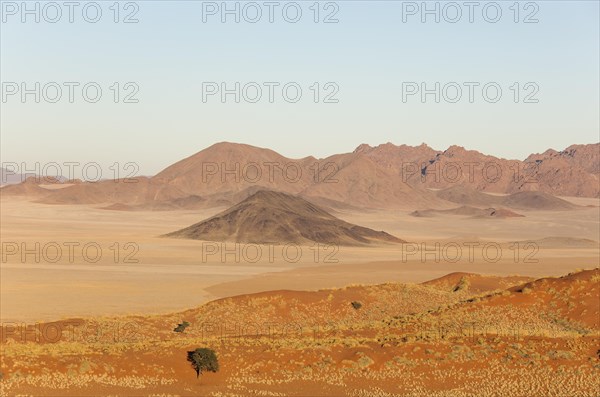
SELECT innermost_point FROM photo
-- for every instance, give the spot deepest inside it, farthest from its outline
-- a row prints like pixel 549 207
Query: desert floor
pixel 138 272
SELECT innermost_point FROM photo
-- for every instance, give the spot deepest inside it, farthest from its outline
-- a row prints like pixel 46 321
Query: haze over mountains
pixel 10 177
pixel 385 176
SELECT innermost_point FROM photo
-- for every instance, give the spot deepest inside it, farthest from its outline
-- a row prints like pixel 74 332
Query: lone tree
pixel 203 359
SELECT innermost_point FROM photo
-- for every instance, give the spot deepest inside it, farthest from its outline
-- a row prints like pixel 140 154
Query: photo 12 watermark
pixel 471 12
pixel 253 12
pixel 69 92
pixel 225 252
pixel 68 172
pixel 269 92
pixel 268 330
pixel 269 172
pixel 469 251
pixel 68 252
pixel 469 92
pixel 70 12
pixel 72 331
pixel 455 172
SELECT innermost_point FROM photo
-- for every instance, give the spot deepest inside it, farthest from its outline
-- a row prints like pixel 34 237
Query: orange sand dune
pixel 540 338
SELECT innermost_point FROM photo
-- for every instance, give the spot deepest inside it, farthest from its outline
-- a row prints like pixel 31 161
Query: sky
pixel 354 72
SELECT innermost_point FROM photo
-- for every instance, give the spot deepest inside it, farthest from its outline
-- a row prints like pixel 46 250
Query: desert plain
pixel 463 301
pixel 145 283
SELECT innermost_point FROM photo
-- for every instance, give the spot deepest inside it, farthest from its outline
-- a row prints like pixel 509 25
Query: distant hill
pixel 466 196
pixel 536 201
pixel 470 211
pixel 279 218
pixel 9 178
pixel 30 187
pixel 521 200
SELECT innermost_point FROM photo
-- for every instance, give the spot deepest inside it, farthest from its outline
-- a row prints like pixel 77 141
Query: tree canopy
pixel 203 359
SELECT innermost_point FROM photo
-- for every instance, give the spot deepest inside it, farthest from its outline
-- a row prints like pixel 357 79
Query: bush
pixel 203 359
pixel 356 305
pixel 181 327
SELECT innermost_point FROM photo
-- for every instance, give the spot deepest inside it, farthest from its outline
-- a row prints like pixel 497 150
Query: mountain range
pixel 385 176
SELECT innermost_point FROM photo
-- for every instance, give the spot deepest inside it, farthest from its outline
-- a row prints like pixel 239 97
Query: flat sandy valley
pixel 138 272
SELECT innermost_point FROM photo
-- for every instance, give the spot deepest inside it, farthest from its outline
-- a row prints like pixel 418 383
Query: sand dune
pixel 475 283
pixel 397 339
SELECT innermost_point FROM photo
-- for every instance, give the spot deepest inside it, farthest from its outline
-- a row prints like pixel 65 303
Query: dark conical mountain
pixel 269 217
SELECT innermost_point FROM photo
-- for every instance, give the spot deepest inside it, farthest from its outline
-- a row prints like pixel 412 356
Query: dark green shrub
pixel 203 359
pixel 181 327
pixel 356 305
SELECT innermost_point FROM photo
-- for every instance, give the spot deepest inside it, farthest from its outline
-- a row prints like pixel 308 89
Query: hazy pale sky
pixel 368 64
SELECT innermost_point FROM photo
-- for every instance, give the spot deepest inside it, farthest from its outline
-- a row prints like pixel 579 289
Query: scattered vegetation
pixel 462 285
pixel 404 339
